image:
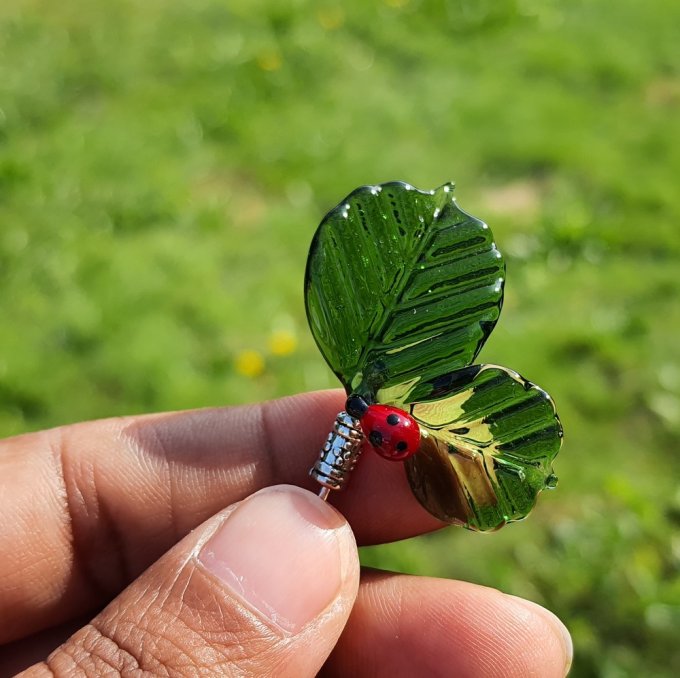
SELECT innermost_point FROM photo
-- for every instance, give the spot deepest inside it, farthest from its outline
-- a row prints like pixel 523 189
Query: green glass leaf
pixel 401 286
pixel 489 441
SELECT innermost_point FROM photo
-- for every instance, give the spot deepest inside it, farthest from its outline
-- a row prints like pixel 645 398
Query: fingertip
pixel 286 554
pixel 422 626
pixel 555 627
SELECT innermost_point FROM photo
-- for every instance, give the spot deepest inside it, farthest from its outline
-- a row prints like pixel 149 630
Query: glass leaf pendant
pixel 402 289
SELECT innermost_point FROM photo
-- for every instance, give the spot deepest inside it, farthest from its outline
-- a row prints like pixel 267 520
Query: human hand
pixel 264 587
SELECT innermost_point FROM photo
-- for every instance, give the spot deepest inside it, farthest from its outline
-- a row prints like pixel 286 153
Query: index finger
pixel 86 508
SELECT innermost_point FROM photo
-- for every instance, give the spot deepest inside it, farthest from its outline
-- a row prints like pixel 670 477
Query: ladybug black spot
pixel 392 419
pixel 402 446
pixel 376 438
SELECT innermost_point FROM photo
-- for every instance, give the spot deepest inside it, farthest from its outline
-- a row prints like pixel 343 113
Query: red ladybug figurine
pixel 393 433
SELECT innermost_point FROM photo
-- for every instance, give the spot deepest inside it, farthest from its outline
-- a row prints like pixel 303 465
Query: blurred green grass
pixel 164 164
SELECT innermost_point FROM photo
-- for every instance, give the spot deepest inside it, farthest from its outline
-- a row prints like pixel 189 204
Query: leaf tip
pixel 446 188
pixel 444 194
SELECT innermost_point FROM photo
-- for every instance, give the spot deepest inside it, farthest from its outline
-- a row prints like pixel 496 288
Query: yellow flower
pixel 282 342
pixel 270 60
pixel 331 18
pixel 249 363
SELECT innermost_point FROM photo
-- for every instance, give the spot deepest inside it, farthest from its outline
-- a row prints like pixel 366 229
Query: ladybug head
pixel 356 406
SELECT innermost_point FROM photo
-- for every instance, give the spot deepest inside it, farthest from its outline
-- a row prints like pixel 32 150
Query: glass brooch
pixel 402 289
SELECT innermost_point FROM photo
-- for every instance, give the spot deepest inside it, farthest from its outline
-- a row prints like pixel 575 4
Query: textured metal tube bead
pixel 339 454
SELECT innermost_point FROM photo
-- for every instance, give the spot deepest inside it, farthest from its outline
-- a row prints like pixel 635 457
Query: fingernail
pixel 555 623
pixel 284 552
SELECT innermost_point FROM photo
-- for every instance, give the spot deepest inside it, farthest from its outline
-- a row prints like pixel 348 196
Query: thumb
pixel 263 588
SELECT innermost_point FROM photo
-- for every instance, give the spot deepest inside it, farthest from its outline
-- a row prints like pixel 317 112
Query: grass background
pixel 164 164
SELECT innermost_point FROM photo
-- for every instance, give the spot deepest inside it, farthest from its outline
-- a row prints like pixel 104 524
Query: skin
pixel 93 508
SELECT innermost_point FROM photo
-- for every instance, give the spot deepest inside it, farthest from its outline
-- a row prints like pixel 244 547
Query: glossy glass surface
pixel 401 285
pixel 488 446
pixel 402 288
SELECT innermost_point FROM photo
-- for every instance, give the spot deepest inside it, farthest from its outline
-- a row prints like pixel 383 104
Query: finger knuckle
pixel 181 629
pixel 98 548
pixel 94 652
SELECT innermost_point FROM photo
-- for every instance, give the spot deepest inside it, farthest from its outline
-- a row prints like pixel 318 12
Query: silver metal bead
pixel 339 454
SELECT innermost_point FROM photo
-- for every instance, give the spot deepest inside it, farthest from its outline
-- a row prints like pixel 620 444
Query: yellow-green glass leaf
pixel 489 440
pixel 401 286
